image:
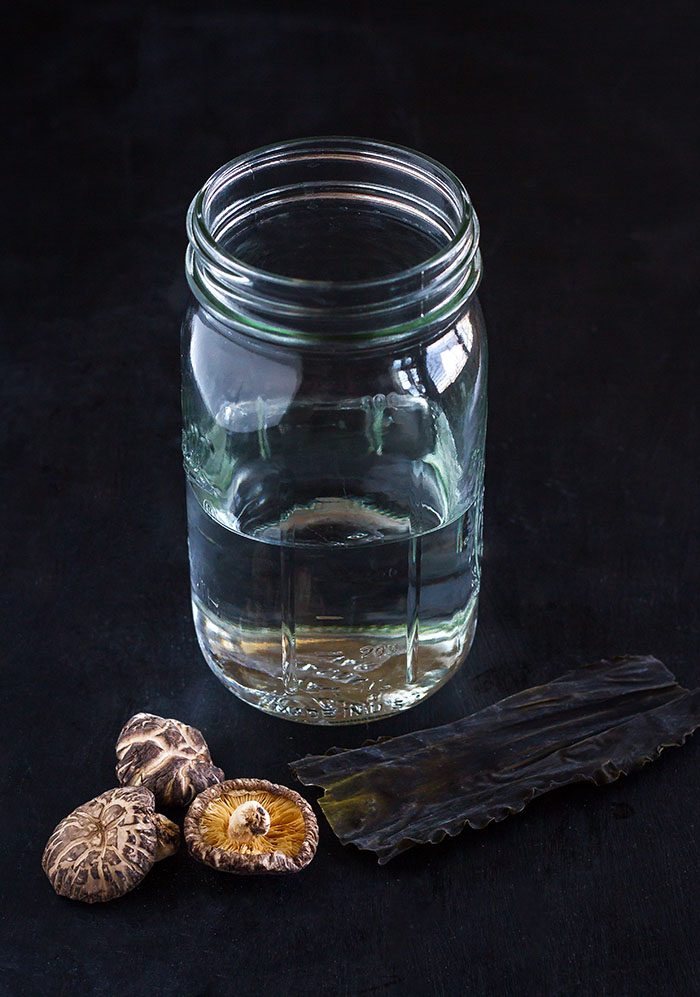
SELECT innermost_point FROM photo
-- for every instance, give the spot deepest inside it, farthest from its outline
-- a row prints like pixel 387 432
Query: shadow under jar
pixel 334 404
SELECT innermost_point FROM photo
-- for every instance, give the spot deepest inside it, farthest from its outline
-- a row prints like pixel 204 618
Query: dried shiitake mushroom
pixel 106 846
pixel 166 756
pixel 251 826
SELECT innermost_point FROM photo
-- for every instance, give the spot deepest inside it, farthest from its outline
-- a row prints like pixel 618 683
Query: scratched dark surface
pixel 574 127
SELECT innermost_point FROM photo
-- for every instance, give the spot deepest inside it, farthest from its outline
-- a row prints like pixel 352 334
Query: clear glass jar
pixel 334 403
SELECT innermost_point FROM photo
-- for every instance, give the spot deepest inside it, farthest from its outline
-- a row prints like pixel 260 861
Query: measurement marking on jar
pixel 378 650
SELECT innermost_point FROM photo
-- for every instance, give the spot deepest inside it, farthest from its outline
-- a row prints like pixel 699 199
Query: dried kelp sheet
pixel 595 724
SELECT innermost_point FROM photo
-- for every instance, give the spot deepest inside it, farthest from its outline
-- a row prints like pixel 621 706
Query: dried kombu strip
pixel 595 723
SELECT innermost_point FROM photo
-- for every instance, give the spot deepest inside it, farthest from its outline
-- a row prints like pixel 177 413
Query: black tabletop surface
pixel 574 129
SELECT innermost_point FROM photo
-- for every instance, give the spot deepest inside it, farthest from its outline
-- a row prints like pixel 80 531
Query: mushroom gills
pixel 285 832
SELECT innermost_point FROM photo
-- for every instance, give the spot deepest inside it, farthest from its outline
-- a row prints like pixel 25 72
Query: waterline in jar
pixel 336 612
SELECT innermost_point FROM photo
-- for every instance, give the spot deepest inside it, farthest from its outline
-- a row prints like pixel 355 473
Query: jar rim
pixel 251 295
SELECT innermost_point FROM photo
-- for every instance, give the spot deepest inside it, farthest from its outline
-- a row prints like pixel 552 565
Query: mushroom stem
pixel 167 837
pixel 248 821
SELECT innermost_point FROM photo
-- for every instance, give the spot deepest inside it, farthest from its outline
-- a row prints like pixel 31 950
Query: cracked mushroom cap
pixel 166 756
pixel 106 846
pixel 250 826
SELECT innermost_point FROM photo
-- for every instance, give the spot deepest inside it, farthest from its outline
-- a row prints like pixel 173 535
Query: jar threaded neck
pixel 316 190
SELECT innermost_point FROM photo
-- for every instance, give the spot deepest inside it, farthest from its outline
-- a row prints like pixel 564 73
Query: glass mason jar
pixel 334 403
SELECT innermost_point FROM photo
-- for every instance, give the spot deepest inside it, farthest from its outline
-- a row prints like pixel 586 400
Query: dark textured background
pixel 574 128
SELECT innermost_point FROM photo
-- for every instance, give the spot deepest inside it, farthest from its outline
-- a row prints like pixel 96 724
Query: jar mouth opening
pixel 202 221
pixel 431 252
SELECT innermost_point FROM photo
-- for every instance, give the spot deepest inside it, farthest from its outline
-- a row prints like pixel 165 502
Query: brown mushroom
pixel 106 846
pixel 166 756
pixel 251 826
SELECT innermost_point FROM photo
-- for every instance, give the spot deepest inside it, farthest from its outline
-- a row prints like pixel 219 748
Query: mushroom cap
pixel 104 848
pixel 166 756
pixel 288 845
